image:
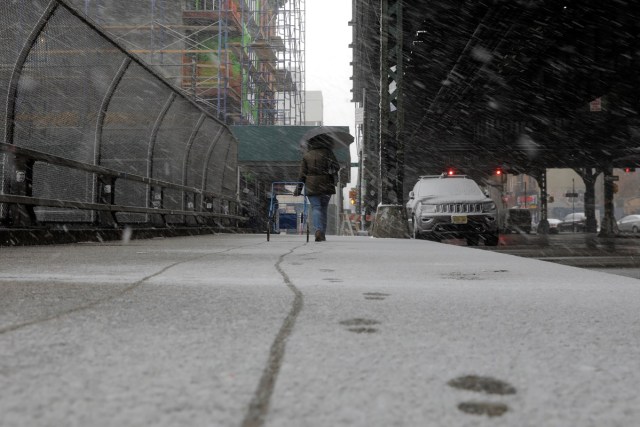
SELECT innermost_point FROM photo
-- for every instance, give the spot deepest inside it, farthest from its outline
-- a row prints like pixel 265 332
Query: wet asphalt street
pixel 616 255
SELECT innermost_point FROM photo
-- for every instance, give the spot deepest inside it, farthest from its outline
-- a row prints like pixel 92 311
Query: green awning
pixel 277 144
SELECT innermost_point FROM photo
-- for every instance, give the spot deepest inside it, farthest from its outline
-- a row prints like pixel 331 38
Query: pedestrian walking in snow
pixel 318 171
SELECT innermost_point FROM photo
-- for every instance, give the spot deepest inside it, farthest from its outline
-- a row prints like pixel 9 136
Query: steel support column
pixel 589 176
pixel 391 105
pixel 366 68
pixel 608 228
pixel 390 217
pixel 543 223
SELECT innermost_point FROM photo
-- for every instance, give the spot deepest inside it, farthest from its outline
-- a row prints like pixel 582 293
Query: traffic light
pixel 500 175
pixel 353 193
pixel 450 171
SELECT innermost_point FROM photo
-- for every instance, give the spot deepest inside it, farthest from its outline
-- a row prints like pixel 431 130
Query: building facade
pixel 243 60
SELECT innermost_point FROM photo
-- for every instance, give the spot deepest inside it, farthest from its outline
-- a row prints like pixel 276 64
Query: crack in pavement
pixel 99 301
pixel 259 405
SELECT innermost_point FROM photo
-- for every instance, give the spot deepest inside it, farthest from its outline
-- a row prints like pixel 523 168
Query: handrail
pixel 103 171
pixel 90 188
pixel 27 201
pixel 56 203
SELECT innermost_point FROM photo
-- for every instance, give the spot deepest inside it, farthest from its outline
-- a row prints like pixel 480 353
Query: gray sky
pixel 328 56
pixel 328 68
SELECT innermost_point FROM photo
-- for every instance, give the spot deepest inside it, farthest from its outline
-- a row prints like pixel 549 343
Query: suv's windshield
pixel 448 186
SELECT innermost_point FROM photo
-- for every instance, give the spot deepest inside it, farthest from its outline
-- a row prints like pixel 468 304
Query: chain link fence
pixel 70 91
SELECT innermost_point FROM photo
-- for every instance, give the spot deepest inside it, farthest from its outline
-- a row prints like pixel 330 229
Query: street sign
pixel 595 105
pixel 611 178
pixel 571 195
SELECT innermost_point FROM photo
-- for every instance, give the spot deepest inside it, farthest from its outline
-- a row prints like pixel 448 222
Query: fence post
pixel 107 191
pixel 22 185
pixel 157 196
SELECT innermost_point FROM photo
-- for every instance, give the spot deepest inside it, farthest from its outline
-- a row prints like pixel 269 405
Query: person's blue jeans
pixel 319 208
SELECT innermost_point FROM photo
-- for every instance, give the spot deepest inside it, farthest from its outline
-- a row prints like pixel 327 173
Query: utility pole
pixel 362 184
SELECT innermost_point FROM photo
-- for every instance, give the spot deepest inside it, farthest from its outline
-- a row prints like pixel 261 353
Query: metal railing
pixel 22 202
pixel 204 5
pixel 91 134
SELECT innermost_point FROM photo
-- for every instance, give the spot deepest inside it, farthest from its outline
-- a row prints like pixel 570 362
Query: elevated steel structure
pixel 520 85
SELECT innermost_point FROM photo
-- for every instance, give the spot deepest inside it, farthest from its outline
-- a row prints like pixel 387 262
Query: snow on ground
pixel 225 329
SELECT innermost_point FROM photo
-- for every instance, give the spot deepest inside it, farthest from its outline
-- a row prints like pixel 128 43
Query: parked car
pixel 452 206
pixel 553 225
pixel 576 222
pixel 629 223
pixel 518 221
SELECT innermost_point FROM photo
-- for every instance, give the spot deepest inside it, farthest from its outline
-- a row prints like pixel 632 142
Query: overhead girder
pixel 509 84
pixel 516 81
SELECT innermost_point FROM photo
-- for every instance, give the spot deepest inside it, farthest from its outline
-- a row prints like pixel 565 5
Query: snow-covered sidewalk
pixel 233 330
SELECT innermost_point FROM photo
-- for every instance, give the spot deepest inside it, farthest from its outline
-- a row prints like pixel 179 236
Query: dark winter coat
pixel 317 170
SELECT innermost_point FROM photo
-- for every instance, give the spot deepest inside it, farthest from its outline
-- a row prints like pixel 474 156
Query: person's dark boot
pixel 319 236
pixel 323 237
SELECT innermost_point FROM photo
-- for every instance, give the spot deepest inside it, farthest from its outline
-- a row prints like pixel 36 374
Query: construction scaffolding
pixel 243 60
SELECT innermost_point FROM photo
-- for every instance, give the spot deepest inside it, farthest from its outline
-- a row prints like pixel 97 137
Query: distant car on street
pixel 629 224
pixel 553 225
pixel 573 222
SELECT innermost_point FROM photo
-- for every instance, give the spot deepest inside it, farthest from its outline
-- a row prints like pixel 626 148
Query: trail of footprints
pixel 365 326
pixel 360 326
pixel 473 383
pixel 486 385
